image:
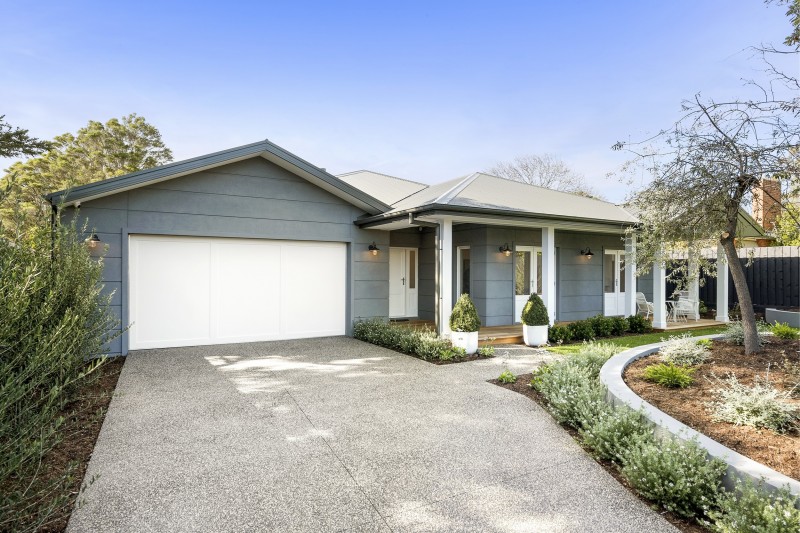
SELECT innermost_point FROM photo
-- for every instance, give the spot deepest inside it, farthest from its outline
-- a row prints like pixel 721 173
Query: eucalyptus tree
pixel 704 170
pixel 98 151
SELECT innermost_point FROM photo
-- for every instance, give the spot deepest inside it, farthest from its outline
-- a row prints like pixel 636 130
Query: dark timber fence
pixel 773 277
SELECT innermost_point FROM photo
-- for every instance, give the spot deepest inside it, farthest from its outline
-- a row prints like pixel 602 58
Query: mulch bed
pixel 83 420
pixel 522 386
pixel 779 452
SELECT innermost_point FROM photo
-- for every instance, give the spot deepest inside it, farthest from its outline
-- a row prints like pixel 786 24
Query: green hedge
pixel 423 343
pixel 598 327
pixel 53 319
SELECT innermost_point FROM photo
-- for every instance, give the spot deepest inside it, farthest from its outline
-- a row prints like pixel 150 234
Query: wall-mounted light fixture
pixel 587 252
pixel 374 248
pixel 93 242
pixel 505 250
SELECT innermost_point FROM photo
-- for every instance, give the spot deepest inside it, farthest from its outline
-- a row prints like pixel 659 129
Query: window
pixel 527 267
pixel 412 269
pixel 462 276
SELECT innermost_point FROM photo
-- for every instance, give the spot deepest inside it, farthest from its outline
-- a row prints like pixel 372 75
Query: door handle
pixel 404 281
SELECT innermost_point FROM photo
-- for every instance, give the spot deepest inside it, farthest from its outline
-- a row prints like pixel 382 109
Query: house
pixel 254 243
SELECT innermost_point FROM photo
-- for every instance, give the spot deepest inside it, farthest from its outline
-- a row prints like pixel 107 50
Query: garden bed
pixel 522 386
pixel 83 420
pixel 779 452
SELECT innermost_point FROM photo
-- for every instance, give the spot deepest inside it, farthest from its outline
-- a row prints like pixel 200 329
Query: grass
pixel 632 341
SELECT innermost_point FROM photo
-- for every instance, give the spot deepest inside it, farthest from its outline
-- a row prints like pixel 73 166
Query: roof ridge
pixel 456 189
pixel 382 174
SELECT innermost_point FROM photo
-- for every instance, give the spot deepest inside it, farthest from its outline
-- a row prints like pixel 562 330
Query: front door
pixel 403 269
pixel 614 282
pixel 527 266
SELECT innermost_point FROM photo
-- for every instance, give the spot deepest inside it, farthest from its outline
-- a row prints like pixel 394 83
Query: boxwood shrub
pixel 559 334
pixel 535 312
pixel 423 342
pixel 464 317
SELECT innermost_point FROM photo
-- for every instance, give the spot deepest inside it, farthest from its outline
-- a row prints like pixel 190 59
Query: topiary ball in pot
pixel 464 324
pixel 535 321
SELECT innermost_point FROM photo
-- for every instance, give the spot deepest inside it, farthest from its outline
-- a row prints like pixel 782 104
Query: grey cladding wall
pixel 248 199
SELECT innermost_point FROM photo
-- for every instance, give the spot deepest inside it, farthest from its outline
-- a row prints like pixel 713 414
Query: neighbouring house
pixel 255 243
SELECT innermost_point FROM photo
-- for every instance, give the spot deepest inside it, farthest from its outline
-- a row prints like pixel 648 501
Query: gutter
pixel 435 209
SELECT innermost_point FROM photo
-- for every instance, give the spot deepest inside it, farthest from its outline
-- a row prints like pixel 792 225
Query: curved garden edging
pixel 739 466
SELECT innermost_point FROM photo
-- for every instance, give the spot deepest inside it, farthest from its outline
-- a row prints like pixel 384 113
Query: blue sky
pixel 422 90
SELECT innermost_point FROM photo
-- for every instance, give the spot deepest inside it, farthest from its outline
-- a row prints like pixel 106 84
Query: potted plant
pixel 464 324
pixel 535 322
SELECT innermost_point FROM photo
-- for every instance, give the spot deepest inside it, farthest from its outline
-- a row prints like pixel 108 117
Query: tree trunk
pixel 751 344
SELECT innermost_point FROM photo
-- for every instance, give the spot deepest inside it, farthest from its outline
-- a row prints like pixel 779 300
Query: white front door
pixel 614 282
pixel 527 266
pixel 403 268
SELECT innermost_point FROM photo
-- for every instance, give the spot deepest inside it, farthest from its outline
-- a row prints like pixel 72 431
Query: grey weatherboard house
pixel 255 243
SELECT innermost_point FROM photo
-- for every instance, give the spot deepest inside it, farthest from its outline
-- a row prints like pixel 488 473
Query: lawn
pixel 631 341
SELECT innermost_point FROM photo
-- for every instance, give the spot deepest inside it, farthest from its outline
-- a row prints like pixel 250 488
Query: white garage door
pixel 187 291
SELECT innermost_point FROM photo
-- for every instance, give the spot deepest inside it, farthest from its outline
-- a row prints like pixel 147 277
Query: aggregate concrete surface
pixel 334 434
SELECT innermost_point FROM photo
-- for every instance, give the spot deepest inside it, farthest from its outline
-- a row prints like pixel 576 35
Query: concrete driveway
pixel 338 435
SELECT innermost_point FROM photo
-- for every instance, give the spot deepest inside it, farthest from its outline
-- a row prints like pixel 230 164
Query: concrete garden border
pixel 792 318
pixel 739 466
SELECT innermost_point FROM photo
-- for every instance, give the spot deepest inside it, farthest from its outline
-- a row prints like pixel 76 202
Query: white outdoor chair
pixel 684 308
pixel 642 305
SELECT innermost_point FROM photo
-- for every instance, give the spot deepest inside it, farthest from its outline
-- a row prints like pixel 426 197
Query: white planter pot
pixel 467 340
pixel 534 335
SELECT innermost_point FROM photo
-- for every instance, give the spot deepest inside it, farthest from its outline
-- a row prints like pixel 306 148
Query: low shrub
pixel 423 343
pixel 669 375
pixel 615 431
pixel 507 377
pixel 750 508
pixel 759 405
pixel 535 312
pixel 464 317
pixel 619 326
pixel 581 330
pixel 559 334
pixel 602 326
pixel 683 350
pixel 677 475
pixel 785 331
pixel 705 342
pixel 734 332
pixel 453 352
pixel 593 355
pixel 639 324
pixel 571 386
pixel 486 351
pixel 573 396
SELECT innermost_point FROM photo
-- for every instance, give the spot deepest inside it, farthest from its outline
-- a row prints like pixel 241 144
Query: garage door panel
pixel 315 285
pixel 174 308
pixel 188 291
pixel 247 286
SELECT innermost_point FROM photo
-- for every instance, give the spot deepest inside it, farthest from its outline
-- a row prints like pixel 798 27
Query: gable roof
pixel 265 149
pixel 387 189
pixel 484 192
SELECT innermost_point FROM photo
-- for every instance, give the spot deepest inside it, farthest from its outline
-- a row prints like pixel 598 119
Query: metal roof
pixel 387 189
pixel 484 191
pixel 265 149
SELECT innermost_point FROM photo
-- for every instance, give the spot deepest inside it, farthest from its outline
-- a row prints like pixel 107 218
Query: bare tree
pixel 546 171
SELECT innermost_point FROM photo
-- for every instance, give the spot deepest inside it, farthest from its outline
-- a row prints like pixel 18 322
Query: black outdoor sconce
pixel 587 252
pixel 374 248
pixel 505 250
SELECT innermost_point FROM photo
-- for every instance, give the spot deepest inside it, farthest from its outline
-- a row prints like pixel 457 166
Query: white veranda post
pixel 722 285
pixel 694 284
pixel 630 275
pixel 445 274
pixel 549 271
pixel 659 294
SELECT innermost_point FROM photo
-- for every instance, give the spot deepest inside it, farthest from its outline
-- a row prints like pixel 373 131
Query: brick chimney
pixel 766 203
